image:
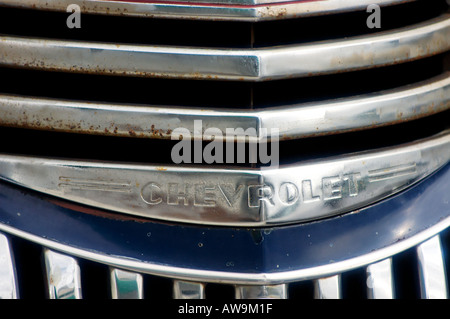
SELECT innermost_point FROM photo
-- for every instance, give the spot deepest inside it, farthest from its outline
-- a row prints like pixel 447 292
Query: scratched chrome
pixel 259 64
pixel 63 275
pixel 304 191
pixel 328 288
pixel 8 277
pixel 188 290
pixel 380 282
pixel 262 292
pixel 239 10
pixel 126 284
pixel 433 277
pixel 268 278
pixel 293 121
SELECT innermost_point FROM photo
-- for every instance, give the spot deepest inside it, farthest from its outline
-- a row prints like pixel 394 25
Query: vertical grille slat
pixel 433 280
pixel 8 279
pixel 63 276
pixel 126 284
pixel 261 292
pixel 380 281
pixel 188 290
pixel 328 288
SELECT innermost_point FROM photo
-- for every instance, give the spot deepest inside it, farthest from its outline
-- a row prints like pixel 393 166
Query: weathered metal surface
pixel 292 121
pixel 260 64
pixel 238 197
pixel 241 10
pixel 244 256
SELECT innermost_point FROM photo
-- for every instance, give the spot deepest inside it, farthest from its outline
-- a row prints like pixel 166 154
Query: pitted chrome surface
pixel 238 197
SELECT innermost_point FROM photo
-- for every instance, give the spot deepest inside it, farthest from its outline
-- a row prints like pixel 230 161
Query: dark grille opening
pixel 95 281
pixel 157 288
pixel 30 269
pixel 120 29
pixel 406 275
pixel 301 290
pixel 354 284
pixel 128 90
pixel 219 292
pixel 344 25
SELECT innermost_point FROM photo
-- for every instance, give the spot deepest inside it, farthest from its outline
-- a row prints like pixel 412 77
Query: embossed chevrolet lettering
pixel 238 197
pixel 288 192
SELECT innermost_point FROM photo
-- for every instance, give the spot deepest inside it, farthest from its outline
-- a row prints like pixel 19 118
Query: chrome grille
pixel 419 272
pixel 255 67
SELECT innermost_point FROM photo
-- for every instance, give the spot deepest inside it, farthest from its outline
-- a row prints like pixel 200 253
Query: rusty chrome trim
pixel 292 121
pixel 241 10
pixel 268 196
pixel 386 48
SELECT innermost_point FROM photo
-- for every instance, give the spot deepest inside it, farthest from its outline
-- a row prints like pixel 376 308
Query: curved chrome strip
pixel 261 292
pixel 380 283
pixel 269 63
pixel 328 288
pixel 433 278
pixel 126 285
pixel 233 277
pixel 63 276
pixel 237 197
pixel 8 277
pixel 188 290
pixel 240 10
pixel 292 121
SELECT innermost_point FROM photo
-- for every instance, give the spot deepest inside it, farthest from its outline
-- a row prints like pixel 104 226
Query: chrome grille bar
pixel 8 278
pixel 242 10
pixel 270 63
pixel 261 292
pixel 328 288
pixel 126 284
pixel 188 290
pixel 293 121
pixel 380 283
pixel 63 276
pixel 433 279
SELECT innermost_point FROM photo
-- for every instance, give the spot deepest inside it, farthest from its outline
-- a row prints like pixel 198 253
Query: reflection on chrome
pixel 63 276
pixel 238 197
pixel 433 279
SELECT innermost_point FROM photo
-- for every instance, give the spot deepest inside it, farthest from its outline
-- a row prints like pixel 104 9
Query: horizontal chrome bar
pixel 63 276
pixel 8 278
pixel 328 288
pixel 244 197
pixel 262 278
pixel 387 48
pixel 126 285
pixel 292 121
pixel 188 290
pixel 433 278
pixel 261 292
pixel 242 10
pixel 380 283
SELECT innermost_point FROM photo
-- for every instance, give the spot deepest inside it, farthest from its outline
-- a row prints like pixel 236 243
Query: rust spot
pixel 161 169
